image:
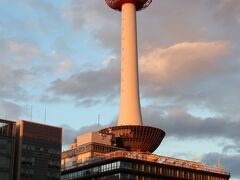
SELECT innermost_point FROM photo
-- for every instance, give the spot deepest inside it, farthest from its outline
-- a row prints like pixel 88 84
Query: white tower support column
pixel 130 110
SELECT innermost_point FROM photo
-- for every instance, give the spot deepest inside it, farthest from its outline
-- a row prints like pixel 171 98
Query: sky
pixel 64 56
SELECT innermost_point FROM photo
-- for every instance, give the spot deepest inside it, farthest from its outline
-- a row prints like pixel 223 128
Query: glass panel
pixel 4 176
pixel 5 146
pixel 4 162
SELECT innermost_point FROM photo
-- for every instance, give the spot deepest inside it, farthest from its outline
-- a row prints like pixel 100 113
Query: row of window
pixel 4 175
pixel 53 163
pixel 27 172
pixel 53 175
pixel 173 172
pixel 5 162
pixel 151 169
pixel 29 147
pixel 102 148
pixel 89 147
pixel 5 129
pixel 30 161
pixel 97 169
pixel 6 146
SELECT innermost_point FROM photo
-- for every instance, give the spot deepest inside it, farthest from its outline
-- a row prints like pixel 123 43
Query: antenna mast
pixel 45 115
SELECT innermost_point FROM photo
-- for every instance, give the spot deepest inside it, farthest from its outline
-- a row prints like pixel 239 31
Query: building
pixel 126 151
pixel 38 151
pixel 7 148
pixel 86 148
pixel 29 151
pixel 97 156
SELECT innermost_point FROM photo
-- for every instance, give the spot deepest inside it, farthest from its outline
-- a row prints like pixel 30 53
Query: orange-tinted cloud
pixel 183 62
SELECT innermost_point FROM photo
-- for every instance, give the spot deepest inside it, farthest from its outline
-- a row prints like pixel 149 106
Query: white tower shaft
pixel 130 109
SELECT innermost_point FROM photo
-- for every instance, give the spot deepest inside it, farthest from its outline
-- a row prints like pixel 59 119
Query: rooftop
pixel 153 158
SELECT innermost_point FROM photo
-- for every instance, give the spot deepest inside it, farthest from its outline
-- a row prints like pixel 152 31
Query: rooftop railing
pixel 151 158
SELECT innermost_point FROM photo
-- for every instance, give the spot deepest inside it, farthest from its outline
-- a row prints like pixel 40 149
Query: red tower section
pixel 117 4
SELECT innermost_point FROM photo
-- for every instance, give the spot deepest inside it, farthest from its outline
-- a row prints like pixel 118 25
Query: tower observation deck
pixel 139 4
pixel 130 132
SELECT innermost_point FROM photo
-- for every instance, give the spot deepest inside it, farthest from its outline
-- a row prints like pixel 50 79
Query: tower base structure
pixel 135 138
pixel 103 162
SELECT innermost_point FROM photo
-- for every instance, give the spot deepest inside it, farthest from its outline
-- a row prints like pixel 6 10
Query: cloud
pixel 95 17
pixel 46 8
pixel 180 124
pixel 199 74
pixel 229 162
pixel 64 65
pixel 18 53
pixel 23 67
pixel 11 81
pixel 227 18
pixel 88 85
pixel 10 110
pixel 183 63
pixel 231 149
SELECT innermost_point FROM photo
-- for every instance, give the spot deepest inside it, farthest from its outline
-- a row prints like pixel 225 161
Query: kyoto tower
pixel 130 132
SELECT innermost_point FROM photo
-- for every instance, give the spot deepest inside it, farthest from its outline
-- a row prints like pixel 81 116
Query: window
pixel 4 176
pixel 27 172
pixel 53 163
pixel 28 147
pixel 54 151
pixel 28 161
pixel 4 162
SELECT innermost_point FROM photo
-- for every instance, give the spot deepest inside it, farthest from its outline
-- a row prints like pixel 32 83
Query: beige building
pixel 87 147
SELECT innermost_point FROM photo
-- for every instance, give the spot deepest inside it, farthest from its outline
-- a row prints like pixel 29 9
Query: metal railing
pixel 151 158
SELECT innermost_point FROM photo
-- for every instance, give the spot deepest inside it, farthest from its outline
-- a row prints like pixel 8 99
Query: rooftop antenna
pixel 45 115
pixel 2 115
pixel 31 110
pixel 99 118
pixel 218 163
pixel 6 115
pixel 98 123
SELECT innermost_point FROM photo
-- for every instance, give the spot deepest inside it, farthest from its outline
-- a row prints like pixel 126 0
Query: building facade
pixel 7 149
pixel 29 151
pixel 38 151
pixel 86 148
